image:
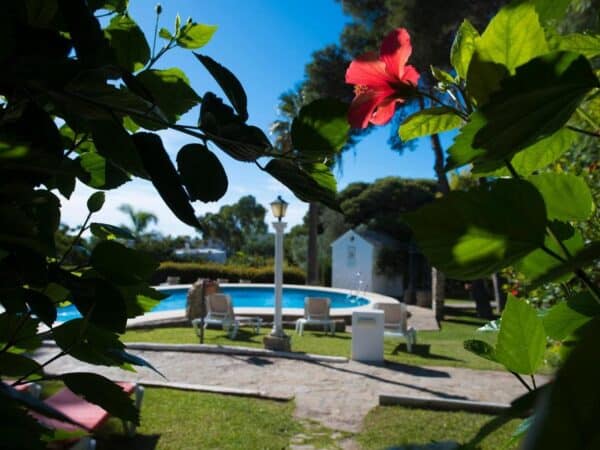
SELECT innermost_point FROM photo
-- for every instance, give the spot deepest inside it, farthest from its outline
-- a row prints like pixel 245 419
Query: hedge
pixel 189 272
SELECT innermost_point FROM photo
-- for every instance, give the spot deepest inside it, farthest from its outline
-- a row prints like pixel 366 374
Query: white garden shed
pixel 354 263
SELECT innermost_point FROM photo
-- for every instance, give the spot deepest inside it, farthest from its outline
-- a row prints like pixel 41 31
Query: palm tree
pixel 290 103
pixel 140 220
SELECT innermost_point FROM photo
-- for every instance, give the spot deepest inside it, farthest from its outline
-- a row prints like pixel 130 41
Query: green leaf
pixel 583 258
pixel 538 263
pixel 229 83
pixel 19 330
pixel 569 410
pixel 463 48
pixel 96 298
pixel 94 345
pixel 481 349
pixel 164 177
pixel 171 91
pixel 165 34
pixel 513 37
pixel 115 144
pixel 321 128
pixel 95 202
pixel 534 103
pixel 521 340
pixel 40 12
pixel 104 393
pixel 564 318
pixel 428 122
pixel 567 197
pixel 107 231
pixel 8 393
pixel 122 265
pixel 202 173
pixel 443 77
pixel 532 158
pixel 41 305
pixel 483 78
pixel 472 234
pixel 313 183
pixel 140 298
pixel 195 35
pixel 228 130
pixel 103 174
pixel 550 10
pixel 18 428
pixel 586 44
pixel 119 6
pixel 14 365
pixel 128 43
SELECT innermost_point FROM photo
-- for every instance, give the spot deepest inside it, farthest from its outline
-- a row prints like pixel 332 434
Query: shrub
pixel 190 272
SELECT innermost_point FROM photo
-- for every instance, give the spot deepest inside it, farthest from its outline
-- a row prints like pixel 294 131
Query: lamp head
pixel 279 208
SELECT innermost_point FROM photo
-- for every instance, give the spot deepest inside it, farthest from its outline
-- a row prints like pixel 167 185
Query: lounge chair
pixel 87 414
pixel 316 312
pixel 220 312
pixel 395 318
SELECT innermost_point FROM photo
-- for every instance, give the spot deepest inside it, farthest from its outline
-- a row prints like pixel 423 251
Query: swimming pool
pixel 245 297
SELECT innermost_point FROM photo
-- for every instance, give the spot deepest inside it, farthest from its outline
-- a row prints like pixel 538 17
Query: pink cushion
pixel 88 414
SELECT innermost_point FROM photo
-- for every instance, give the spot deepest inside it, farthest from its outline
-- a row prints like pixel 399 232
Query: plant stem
pixel 578 271
pixel 533 381
pixel 553 253
pixel 12 341
pixel 459 113
pixel 585 116
pixel 588 133
pixel 155 34
pixel 520 378
pixel 81 230
pixel 62 353
pixel 44 364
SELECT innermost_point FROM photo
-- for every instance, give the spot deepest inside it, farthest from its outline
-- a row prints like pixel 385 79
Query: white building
pixel 206 254
pixel 354 264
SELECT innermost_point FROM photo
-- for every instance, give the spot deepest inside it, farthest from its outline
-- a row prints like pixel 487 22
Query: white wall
pixel 344 267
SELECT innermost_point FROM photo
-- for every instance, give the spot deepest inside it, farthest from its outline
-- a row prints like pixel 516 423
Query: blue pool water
pixel 244 297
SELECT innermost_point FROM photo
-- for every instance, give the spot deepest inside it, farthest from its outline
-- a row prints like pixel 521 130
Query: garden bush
pixel 190 272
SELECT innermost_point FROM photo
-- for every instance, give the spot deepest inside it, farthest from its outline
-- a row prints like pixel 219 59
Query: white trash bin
pixel 367 336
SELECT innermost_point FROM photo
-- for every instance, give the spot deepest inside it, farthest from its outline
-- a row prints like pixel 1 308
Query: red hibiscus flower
pixel 381 81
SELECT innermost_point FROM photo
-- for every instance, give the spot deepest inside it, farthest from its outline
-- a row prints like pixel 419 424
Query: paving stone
pixel 336 395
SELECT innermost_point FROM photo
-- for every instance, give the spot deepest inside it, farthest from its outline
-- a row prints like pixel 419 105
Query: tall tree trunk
pixel 499 296
pixel 438 280
pixel 312 257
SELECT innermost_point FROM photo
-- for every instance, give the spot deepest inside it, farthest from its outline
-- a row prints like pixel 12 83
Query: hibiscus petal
pixel 362 107
pixel 368 70
pixel 410 75
pixel 384 111
pixel 395 51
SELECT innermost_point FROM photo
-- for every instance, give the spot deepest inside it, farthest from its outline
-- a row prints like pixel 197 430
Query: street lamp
pixel 278 340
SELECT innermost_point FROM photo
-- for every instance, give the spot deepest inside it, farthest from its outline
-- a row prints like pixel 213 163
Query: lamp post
pixel 278 340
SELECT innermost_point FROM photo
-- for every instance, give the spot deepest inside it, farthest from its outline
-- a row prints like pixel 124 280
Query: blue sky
pixel 266 43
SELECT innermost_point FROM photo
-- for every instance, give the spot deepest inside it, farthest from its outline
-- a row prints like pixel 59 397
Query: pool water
pixel 243 297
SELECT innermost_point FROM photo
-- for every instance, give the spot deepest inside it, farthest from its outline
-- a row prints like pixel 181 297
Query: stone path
pixel 338 395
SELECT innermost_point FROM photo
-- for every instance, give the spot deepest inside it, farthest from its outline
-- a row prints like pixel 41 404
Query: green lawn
pixel 180 420
pixel 191 420
pixel 387 426
pixel 446 346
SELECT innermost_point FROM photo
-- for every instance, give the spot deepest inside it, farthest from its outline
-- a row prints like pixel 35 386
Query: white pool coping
pixel 371 297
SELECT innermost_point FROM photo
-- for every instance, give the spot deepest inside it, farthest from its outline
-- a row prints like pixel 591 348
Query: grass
pixel 445 346
pixel 180 420
pixel 385 426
